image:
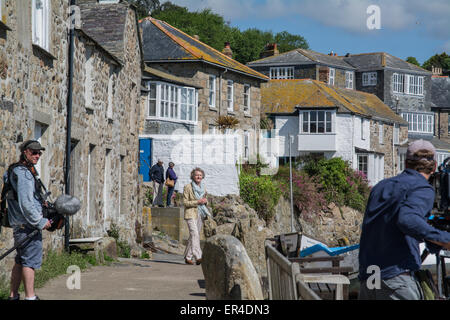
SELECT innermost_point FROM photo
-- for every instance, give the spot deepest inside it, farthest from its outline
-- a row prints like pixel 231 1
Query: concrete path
pixel 164 277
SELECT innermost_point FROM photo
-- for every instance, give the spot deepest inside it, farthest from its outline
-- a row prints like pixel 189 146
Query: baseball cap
pixel 31 144
pixel 417 145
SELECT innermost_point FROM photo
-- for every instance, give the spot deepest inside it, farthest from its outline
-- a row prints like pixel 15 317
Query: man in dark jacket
pixel 394 224
pixel 170 174
pixel 157 176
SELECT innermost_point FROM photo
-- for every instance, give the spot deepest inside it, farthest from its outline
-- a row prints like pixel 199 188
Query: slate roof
pixel 105 23
pixel 284 96
pixel 165 43
pixel 155 74
pixel 302 57
pixel 440 92
pixel 382 60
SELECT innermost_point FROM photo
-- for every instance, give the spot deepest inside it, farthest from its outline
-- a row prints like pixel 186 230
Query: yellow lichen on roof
pixel 200 54
pixel 283 96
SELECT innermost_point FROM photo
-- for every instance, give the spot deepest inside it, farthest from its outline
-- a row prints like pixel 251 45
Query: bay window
pixel 171 102
pixel 317 122
pixel 419 122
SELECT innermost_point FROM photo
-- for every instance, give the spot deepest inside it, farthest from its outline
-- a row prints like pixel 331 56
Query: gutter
pixel 69 124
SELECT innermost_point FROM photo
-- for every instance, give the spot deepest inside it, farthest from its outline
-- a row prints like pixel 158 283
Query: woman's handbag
pixel 170 182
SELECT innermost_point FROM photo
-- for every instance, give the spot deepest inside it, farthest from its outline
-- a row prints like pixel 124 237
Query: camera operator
pixel 395 223
pixel 25 213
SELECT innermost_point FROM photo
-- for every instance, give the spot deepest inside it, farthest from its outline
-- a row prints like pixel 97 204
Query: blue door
pixel 145 158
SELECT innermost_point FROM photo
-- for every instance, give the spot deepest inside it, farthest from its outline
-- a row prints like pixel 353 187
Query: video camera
pixel 440 180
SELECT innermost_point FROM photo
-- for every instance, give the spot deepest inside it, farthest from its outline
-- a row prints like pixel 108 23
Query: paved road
pixel 164 277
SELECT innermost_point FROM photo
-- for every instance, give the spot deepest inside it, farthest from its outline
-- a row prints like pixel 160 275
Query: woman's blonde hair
pixel 199 170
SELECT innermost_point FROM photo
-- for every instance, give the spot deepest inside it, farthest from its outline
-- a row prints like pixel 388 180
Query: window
pixel 111 91
pixel 398 80
pixel 171 102
pixel 363 163
pixel 332 74
pixel 349 79
pixel 230 95
pixel 247 98
pixel 89 82
pixel 317 122
pixel 212 91
pixel 363 135
pixel 396 134
pixel 380 133
pixel 2 11
pixel 282 73
pixel 419 122
pixel 152 99
pixel 107 207
pixel 40 23
pixel 369 78
pixel 414 85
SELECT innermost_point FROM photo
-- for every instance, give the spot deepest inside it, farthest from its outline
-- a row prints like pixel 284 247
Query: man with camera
pixel 25 214
pixel 394 224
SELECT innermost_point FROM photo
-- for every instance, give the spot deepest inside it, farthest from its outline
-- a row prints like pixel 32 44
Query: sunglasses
pixel 36 152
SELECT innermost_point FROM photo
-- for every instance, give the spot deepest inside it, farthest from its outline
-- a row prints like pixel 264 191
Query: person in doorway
pixel 195 211
pixel 393 226
pixel 25 213
pixel 170 176
pixel 157 176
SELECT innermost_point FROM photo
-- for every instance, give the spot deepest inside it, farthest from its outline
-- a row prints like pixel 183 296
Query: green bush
pixel 339 182
pixel 261 193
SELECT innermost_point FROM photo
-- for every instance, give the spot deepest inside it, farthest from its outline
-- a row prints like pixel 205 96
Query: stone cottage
pixel 106 106
pixel 33 105
pixel 440 104
pixel 188 86
pixel 332 122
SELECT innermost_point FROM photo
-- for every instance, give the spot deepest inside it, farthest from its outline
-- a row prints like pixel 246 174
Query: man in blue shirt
pixel 394 224
pixel 25 216
pixel 157 177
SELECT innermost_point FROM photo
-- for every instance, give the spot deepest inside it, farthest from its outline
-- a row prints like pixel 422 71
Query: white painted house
pixel 334 122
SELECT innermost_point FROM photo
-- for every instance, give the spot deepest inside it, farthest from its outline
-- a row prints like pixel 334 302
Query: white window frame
pixel 111 91
pixel 398 81
pixel 369 79
pixel 414 85
pixel 247 98
pixel 331 76
pixel 171 102
pixel 2 7
pixel 401 162
pixel 363 132
pixel 361 156
pixel 41 23
pixel 349 77
pixel 396 134
pixel 419 122
pixel 381 132
pixel 230 95
pixel 306 122
pixel 281 72
pixel 212 91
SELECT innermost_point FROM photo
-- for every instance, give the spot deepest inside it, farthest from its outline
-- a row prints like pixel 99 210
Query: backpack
pixel 8 193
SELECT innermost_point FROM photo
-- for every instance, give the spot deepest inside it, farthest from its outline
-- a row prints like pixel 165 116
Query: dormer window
pixel 331 76
pixel 369 79
pixel 282 73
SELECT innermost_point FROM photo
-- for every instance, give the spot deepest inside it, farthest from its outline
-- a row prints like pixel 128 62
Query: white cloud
pixel 431 16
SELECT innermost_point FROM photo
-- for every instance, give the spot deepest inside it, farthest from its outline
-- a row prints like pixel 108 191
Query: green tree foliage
pixel 413 60
pixel 213 30
pixel 144 7
pixel 438 60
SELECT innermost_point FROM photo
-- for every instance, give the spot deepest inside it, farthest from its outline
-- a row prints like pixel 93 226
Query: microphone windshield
pixel 67 205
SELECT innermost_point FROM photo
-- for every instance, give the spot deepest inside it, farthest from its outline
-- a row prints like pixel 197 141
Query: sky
pixel 403 28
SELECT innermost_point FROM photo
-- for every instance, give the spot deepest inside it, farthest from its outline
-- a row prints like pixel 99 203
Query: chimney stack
pixel 270 50
pixel 227 50
pixel 437 71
